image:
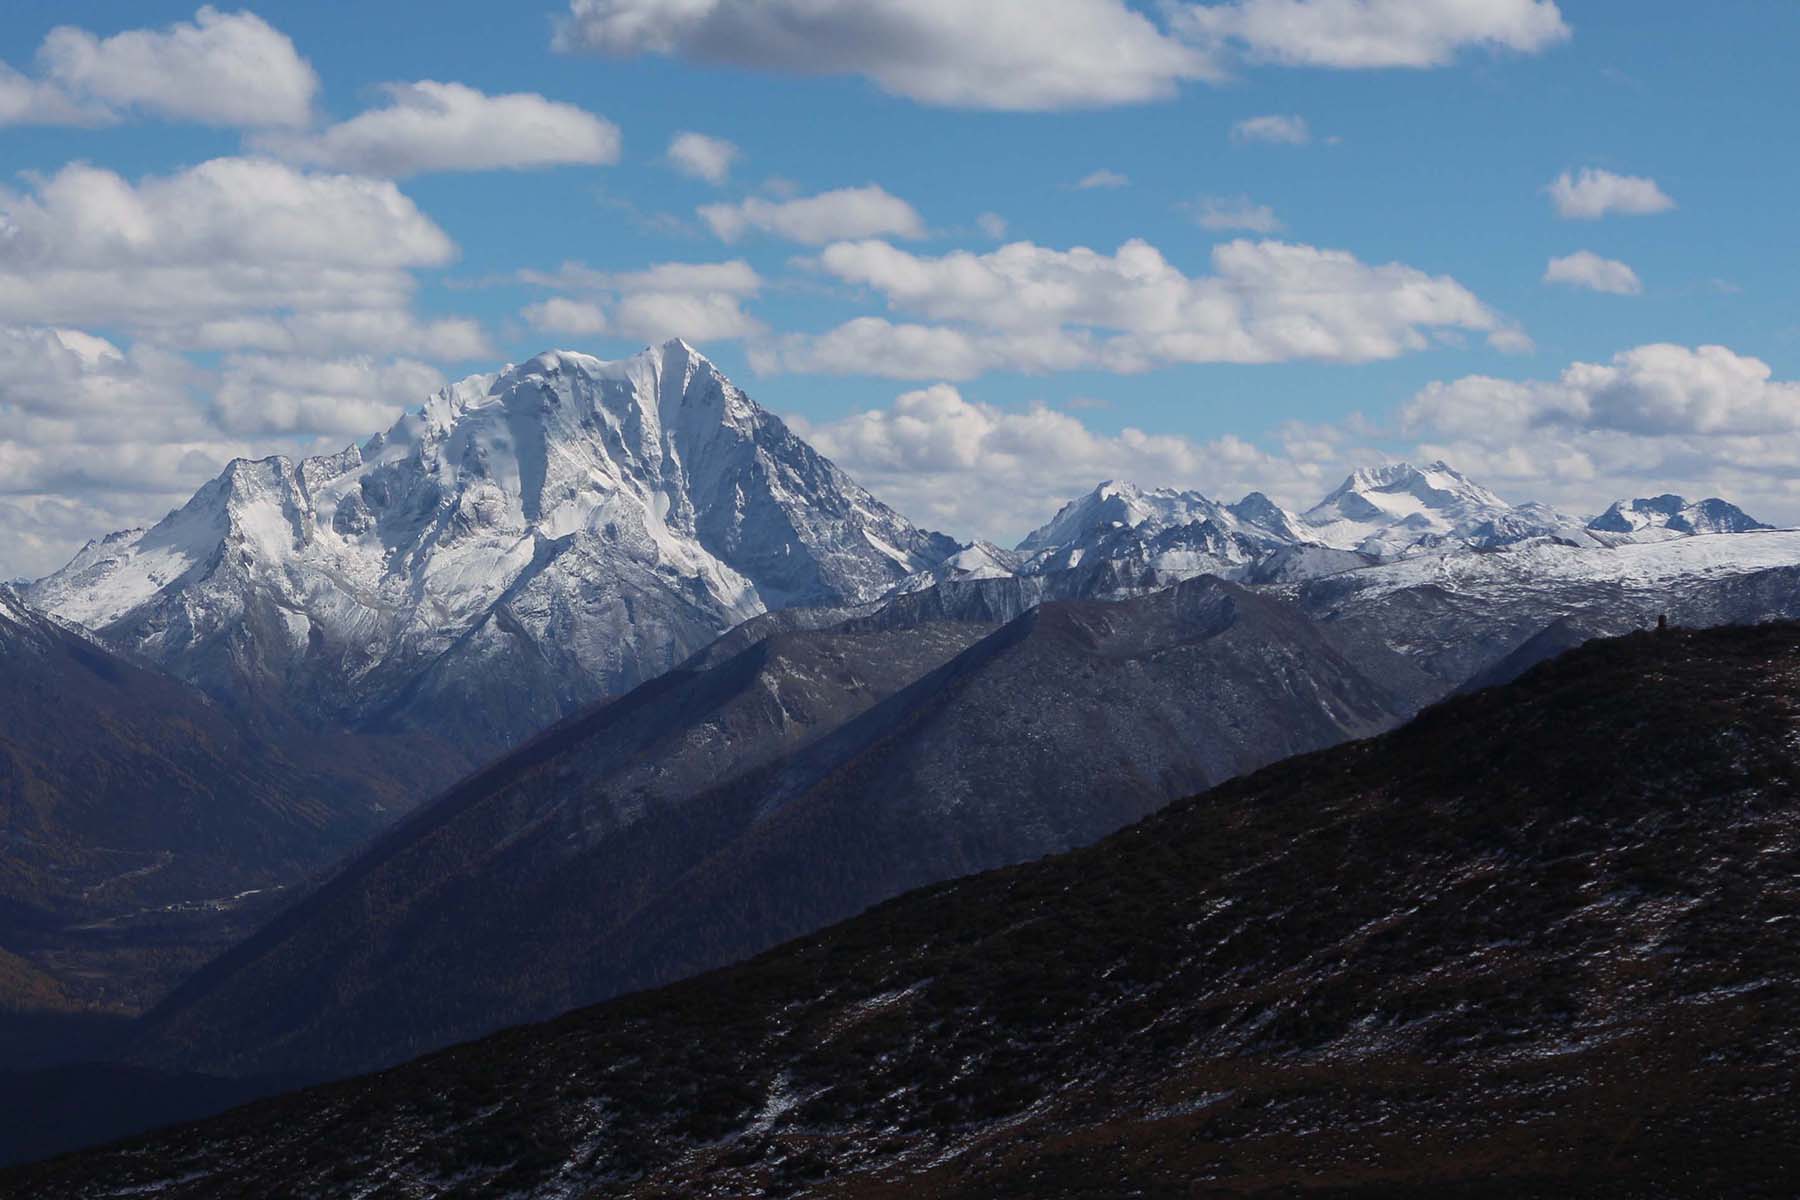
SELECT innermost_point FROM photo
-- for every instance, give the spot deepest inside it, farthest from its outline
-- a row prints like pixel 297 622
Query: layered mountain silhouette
pixel 1538 942
pixel 802 769
pixel 723 808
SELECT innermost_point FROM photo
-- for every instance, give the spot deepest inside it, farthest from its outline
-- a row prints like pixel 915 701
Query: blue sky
pixel 1007 402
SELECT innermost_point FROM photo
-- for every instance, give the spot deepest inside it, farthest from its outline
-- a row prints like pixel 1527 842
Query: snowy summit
pixel 524 543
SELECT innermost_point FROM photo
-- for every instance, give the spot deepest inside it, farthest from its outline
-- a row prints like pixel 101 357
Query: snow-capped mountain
pixel 1121 538
pixel 1162 531
pixel 1646 519
pixel 977 560
pixel 1391 511
pixel 1152 538
pixel 524 543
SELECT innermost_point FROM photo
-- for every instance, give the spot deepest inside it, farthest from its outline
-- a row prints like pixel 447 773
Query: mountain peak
pixel 1674 515
pixel 674 353
pixel 1260 512
pixel 1122 488
pixel 1399 508
pixel 588 521
pixel 1437 476
pixel 1153 536
pixel 1120 504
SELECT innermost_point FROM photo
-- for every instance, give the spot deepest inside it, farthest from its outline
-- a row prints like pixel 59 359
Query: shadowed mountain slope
pixel 722 809
pixel 137 817
pixel 1538 942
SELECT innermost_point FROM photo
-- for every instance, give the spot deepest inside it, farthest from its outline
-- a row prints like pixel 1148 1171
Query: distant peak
pixel 1437 474
pixel 1669 511
pixel 1385 474
pixel 1256 502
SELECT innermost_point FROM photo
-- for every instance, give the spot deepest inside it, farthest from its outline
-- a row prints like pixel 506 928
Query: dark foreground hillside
pixel 1542 941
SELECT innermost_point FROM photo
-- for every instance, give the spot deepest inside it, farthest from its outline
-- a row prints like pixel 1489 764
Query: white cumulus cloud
pixel 1653 390
pixel 1592 193
pixel 431 126
pixel 1102 178
pixel 348 398
pixel 1032 308
pixel 232 242
pixel 1700 421
pixel 1038 55
pixel 231 69
pixel 559 314
pixel 94 437
pixel 26 101
pixel 1585 269
pixel 697 301
pixel 814 220
pixel 330 331
pixel 703 157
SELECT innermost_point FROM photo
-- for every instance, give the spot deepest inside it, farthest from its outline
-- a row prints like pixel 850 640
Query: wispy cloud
pixel 1290 130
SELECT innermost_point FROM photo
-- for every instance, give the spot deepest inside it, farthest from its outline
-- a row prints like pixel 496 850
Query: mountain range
pixel 570 530
pixel 1123 536
pixel 723 696
pixel 558 532
pixel 722 809
pixel 791 776
pixel 1535 943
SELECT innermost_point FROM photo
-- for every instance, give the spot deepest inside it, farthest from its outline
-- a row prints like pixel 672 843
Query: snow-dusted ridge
pixel 1125 538
pixel 11 607
pixel 977 560
pixel 1545 564
pixel 524 542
